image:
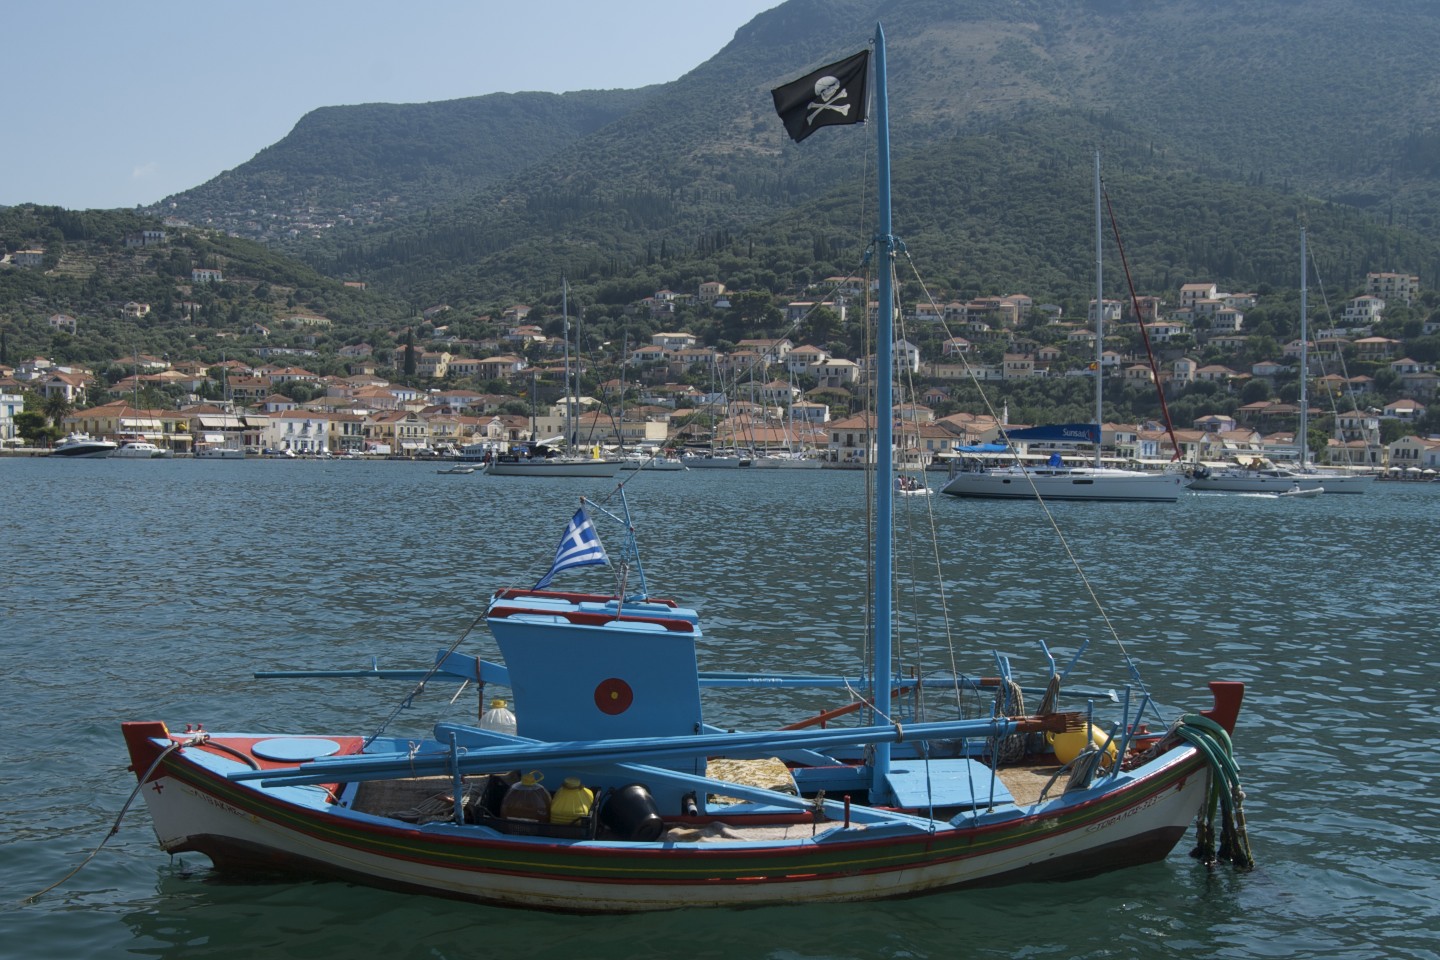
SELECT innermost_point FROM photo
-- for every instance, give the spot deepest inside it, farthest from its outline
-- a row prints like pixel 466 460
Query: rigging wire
pixel 419 687
pixel 1144 334
pixel 1344 373
pixel 1074 561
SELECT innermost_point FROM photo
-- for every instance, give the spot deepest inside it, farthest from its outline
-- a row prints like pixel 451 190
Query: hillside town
pixel 759 395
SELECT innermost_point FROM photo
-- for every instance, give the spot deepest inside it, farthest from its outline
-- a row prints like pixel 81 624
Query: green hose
pixel 1226 797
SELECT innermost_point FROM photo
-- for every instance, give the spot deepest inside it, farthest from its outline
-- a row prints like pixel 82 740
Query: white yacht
pixel 1062 482
pixel 82 446
pixel 1258 476
pixel 139 450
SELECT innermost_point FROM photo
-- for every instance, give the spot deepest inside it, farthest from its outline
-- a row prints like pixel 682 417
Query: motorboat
pixel 139 450
pixel 82 446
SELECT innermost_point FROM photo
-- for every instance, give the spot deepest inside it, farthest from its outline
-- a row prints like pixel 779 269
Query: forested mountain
pixel 381 160
pixel 1221 112
pixel 95 265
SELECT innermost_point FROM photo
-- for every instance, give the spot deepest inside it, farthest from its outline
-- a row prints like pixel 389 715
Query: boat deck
pixel 1027 782
pixel 422 800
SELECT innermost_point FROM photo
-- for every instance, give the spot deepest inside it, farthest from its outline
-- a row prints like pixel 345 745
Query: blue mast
pixel 884 433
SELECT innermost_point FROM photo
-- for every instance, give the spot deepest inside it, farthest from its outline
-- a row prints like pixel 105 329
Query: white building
pixel 1363 311
pixel 10 404
pixel 299 431
pixel 1392 286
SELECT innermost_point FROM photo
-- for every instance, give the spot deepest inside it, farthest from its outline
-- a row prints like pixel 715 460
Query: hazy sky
pixel 113 103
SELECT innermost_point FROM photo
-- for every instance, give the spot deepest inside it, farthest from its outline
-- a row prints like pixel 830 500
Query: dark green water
pixel 151 590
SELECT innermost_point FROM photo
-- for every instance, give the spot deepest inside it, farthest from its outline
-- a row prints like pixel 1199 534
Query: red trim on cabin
pixel 515 593
pixel 595 619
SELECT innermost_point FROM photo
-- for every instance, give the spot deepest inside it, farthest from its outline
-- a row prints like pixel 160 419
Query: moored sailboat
pixel 545 458
pixel 1056 479
pixel 1266 477
pixel 608 693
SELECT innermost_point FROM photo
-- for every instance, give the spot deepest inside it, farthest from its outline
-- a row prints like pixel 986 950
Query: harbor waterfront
pixel 155 590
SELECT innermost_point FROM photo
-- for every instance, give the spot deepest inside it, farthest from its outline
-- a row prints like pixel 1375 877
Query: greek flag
pixel 580 547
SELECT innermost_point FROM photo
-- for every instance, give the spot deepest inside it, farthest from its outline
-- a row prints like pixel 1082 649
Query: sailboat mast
pixel 569 394
pixel 1304 431
pixel 1099 321
pixel 884 403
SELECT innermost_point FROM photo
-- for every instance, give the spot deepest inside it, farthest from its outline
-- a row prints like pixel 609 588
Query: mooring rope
pixel 115 827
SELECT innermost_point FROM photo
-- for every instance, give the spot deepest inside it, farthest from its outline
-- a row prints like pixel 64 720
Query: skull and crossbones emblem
pixel 828 93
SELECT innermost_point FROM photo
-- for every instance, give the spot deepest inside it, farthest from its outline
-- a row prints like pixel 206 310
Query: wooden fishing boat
pixel 870 800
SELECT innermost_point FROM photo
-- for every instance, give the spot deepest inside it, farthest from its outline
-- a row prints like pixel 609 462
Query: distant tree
pixel 298 391
pixel 1260 347
pixel 410 365
pixel 1255 391
pixel 820 325
pixel 1425 349
pixel 751 314
pixel 57 408
pixel 32 427
pixel 1387 381
pixel 1392 430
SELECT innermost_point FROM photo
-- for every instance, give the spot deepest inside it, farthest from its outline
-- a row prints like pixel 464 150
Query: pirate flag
pixel 831 95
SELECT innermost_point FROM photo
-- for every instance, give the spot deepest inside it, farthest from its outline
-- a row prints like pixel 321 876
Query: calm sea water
pixel 151 590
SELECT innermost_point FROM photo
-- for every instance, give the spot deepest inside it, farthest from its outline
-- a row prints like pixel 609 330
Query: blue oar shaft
pixel 386 766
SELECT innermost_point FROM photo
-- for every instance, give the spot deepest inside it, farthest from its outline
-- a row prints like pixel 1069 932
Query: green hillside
pixel 90 273
pixel 1319 100
pixel 1224 127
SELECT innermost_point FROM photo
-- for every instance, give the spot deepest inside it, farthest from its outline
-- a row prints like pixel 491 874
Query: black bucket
pixel 631 814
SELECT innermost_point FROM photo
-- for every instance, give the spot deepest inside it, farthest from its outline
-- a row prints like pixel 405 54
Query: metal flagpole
pixel 884 413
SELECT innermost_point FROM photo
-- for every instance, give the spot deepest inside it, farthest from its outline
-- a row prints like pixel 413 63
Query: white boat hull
pixel 139 451
pixel 1279 481
pixel 655 463
pixel 1338 482
pixel 784 463
pixel 554 467
pixel 1077 483
pixel 1239 482
pixel 82 447
pixel 245 827
pixel 716 463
